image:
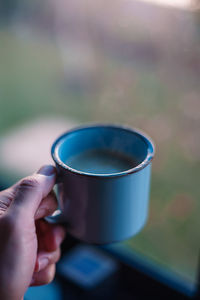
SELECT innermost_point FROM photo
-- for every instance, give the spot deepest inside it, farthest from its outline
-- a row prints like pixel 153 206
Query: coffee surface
pixel 101 162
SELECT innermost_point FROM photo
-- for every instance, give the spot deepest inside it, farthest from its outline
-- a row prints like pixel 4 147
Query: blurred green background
pixel 124 62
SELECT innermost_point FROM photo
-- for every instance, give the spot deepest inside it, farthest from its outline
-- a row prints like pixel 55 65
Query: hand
pixel 29 246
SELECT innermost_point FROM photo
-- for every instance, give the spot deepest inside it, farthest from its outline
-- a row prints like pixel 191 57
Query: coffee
pixel 101 162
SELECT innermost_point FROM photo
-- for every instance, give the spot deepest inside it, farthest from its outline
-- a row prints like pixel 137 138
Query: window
pixel 69 62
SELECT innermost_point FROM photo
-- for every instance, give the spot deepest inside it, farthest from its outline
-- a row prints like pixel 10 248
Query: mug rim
pixel 148 141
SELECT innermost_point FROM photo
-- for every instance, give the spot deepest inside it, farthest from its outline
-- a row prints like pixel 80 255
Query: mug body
pixel 104 208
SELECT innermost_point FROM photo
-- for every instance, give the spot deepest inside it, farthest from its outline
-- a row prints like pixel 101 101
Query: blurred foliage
pixel 105 65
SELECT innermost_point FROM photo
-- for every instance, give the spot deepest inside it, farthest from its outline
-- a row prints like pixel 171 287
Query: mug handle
pixel 57 217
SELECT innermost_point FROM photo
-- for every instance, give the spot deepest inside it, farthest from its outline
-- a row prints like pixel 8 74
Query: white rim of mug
pixel 148 141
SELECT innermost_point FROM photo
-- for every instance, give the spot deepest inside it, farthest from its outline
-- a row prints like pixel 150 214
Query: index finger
pixel 47 207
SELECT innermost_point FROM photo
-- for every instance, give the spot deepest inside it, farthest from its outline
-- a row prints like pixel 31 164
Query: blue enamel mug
pixel 104 181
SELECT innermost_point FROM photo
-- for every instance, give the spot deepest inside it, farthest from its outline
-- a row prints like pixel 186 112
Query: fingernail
pixel 43 263
pixel 47 170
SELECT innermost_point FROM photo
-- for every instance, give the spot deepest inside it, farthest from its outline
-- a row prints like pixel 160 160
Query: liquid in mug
pixel 101 162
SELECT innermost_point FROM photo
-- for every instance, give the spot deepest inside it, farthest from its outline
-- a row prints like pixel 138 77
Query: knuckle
pixel 29 182
pixel 29 185
pixel 55 256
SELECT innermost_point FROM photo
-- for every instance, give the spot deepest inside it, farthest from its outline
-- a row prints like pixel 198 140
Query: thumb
pixel 31 190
